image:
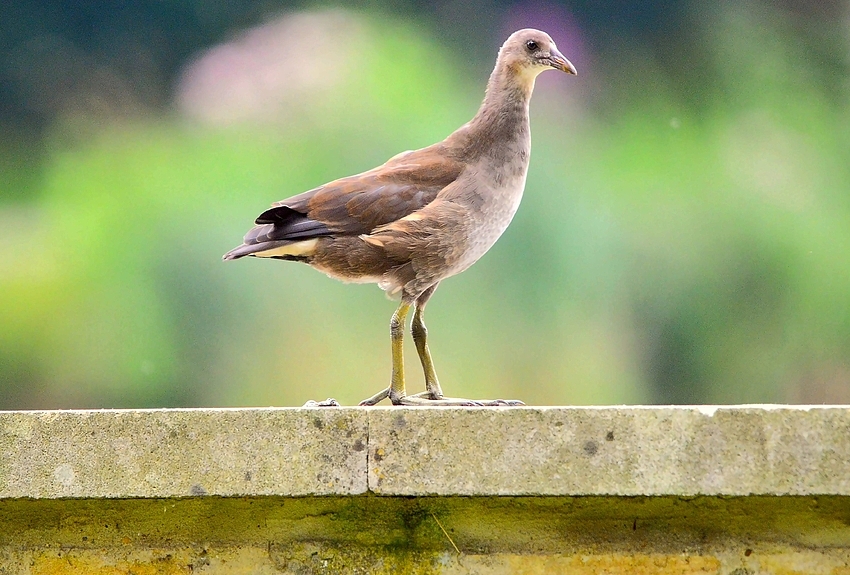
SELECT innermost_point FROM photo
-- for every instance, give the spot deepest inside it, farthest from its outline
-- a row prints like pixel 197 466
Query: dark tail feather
pixel 258 239
pixel 276 227
pixel 248 249
pixel 282 222
pixel 239 252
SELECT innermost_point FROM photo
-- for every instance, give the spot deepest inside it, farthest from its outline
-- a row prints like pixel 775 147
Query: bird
pixel 424 215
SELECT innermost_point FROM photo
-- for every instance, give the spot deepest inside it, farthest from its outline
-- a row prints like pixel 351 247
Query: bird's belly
pixel 486 225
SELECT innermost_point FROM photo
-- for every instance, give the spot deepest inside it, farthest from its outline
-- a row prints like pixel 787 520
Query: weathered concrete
pixel 727 491
pixel 611 451
pixel 453 451
pixel 180 452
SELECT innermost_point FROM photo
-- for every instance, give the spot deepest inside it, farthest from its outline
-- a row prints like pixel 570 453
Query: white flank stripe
pixel 305 248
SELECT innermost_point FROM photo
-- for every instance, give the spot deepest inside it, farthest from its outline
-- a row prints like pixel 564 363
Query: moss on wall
pixel 423 535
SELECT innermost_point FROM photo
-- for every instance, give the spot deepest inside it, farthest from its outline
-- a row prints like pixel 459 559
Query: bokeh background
pixel 684 237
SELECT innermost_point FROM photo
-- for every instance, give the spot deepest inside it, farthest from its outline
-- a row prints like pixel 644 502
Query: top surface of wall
pixel 741 450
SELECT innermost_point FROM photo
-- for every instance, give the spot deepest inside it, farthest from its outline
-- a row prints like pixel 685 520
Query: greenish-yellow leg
pixel 420 339
pixel 396 390
pixel 433 396
pixel 397 323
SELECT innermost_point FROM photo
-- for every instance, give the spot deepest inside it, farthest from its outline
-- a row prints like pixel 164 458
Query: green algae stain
pixel 319 559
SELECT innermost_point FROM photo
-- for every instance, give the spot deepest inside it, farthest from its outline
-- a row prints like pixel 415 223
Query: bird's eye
pixel 532 46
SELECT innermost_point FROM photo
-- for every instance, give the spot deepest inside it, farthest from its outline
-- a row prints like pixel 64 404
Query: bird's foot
pixel 329 402
pixel 437 400
pixel 427 399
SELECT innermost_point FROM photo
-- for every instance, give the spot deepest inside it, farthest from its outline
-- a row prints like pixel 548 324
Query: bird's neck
pixel 503 116
pixel 510 81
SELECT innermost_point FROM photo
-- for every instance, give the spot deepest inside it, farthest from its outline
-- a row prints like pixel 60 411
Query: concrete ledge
pixel 630 451
pixel 182 452
pixel 611 451
pixel 726 491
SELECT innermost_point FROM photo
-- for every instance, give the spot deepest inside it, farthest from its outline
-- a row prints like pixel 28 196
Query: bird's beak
pixel 559 62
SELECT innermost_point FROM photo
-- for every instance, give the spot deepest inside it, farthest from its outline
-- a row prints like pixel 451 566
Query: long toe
pixel 426 395
pixel 503 403
pixel 377 398
pixel 423 400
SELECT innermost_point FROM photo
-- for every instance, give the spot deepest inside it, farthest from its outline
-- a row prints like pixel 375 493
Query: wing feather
pixel 356 205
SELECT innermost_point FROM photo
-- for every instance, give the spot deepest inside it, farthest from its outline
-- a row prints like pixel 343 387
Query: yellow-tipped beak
pixel 559 62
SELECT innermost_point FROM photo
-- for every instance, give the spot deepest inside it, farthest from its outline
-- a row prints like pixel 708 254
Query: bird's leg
pixel 396 389
pixel 420 339
pixel 433 396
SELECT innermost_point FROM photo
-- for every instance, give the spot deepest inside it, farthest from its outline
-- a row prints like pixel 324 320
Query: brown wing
pixel 358 204
pixel 354 205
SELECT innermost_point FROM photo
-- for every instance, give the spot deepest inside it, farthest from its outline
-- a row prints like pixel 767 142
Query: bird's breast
pixel 492 194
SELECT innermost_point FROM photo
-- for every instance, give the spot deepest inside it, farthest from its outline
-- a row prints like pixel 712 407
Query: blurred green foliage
pixel 684 237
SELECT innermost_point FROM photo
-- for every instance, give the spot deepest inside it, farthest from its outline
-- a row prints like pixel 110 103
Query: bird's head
pixel 529 52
